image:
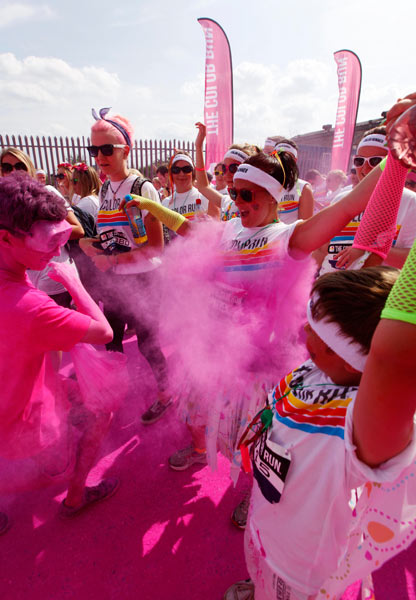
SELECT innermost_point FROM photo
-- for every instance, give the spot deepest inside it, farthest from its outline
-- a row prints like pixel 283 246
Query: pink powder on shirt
pixel 32 397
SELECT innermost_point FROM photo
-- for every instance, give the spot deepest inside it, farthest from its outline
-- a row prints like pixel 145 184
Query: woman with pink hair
pixel 128 262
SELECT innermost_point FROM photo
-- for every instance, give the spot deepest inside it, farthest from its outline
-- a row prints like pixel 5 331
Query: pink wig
pixel 104 126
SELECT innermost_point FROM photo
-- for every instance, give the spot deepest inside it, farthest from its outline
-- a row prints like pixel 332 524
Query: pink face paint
pixel 45 236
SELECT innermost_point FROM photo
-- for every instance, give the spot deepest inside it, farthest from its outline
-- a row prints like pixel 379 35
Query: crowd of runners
pixel 277 316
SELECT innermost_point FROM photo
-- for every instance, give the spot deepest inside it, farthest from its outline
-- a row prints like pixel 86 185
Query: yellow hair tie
pixel 276 155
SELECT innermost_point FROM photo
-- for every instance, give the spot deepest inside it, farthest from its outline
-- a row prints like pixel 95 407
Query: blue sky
pixel 145 58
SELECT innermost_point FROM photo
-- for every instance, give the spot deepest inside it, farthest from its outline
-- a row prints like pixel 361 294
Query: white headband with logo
pixel 259 177
pixel 373 139
pixel 237 155
pixel 184 157
pixel 269 143
pixel 330 333
pixel 286 148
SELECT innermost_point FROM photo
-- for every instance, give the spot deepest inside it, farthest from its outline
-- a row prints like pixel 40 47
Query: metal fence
pixel 48 152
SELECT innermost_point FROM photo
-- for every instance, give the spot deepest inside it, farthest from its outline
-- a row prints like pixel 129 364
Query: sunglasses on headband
pixel 245 195
pixel 373 161
pixel 8 168
pixel 105 149
pixel 186 169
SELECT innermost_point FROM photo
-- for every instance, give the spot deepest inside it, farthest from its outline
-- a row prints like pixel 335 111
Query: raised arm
pixel 378 225
pixel 202 183
pixel 306 203
pixel 316 231
pixel 386 401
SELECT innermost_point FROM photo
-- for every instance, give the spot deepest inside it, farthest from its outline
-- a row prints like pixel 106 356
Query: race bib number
pixel 113 242
pixel 270 468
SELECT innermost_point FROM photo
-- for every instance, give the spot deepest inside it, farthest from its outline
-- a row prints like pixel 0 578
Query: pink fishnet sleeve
pixel 378 225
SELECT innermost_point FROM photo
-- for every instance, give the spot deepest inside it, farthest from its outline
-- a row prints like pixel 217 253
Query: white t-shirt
pixel 229 208
pixel 404 238
pixel 89 203
pixel 185 202
pixel 110 218
pixel 250 252
pixel 224 191
pixel 289 204
pixel 41 279
pixel 304 535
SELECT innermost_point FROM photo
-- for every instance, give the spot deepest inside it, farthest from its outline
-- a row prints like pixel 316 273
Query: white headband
pixel 259 177
pixel 287 148
pixel 238 155
pixel 187 159
pixel 330 333
pixel 269 143
pixel 373 139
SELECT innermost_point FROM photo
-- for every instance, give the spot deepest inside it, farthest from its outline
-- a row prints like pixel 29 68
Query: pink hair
pixel 103 126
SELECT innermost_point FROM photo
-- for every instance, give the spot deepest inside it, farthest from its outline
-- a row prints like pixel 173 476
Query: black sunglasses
pixel 373 161
pixel 186 169
pixel 60 176
pixel 232 167
pixel 105 149
pixel 8 168
pixel 246 195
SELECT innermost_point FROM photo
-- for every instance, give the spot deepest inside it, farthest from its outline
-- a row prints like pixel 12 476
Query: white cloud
pixel 270 100
pixel 16 12
pixel 194 88
pixel 51 81
pixel 123 16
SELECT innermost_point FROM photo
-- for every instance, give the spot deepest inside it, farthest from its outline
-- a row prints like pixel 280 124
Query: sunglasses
pixel 186 169
pixel 8 168
pixel 60 176
pixel 219 173
pixel 373 161
pixel 232 168
pixel 245 195
pixel 105 149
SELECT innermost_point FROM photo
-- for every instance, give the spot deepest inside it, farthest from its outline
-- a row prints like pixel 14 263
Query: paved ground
pixel 165 535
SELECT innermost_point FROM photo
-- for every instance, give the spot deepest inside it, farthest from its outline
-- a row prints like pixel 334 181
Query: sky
pixel 146 59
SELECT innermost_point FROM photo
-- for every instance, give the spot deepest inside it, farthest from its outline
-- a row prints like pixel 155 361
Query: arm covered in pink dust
pixel 99 330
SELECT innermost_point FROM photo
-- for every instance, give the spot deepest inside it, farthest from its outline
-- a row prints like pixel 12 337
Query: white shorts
pixel 268 585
